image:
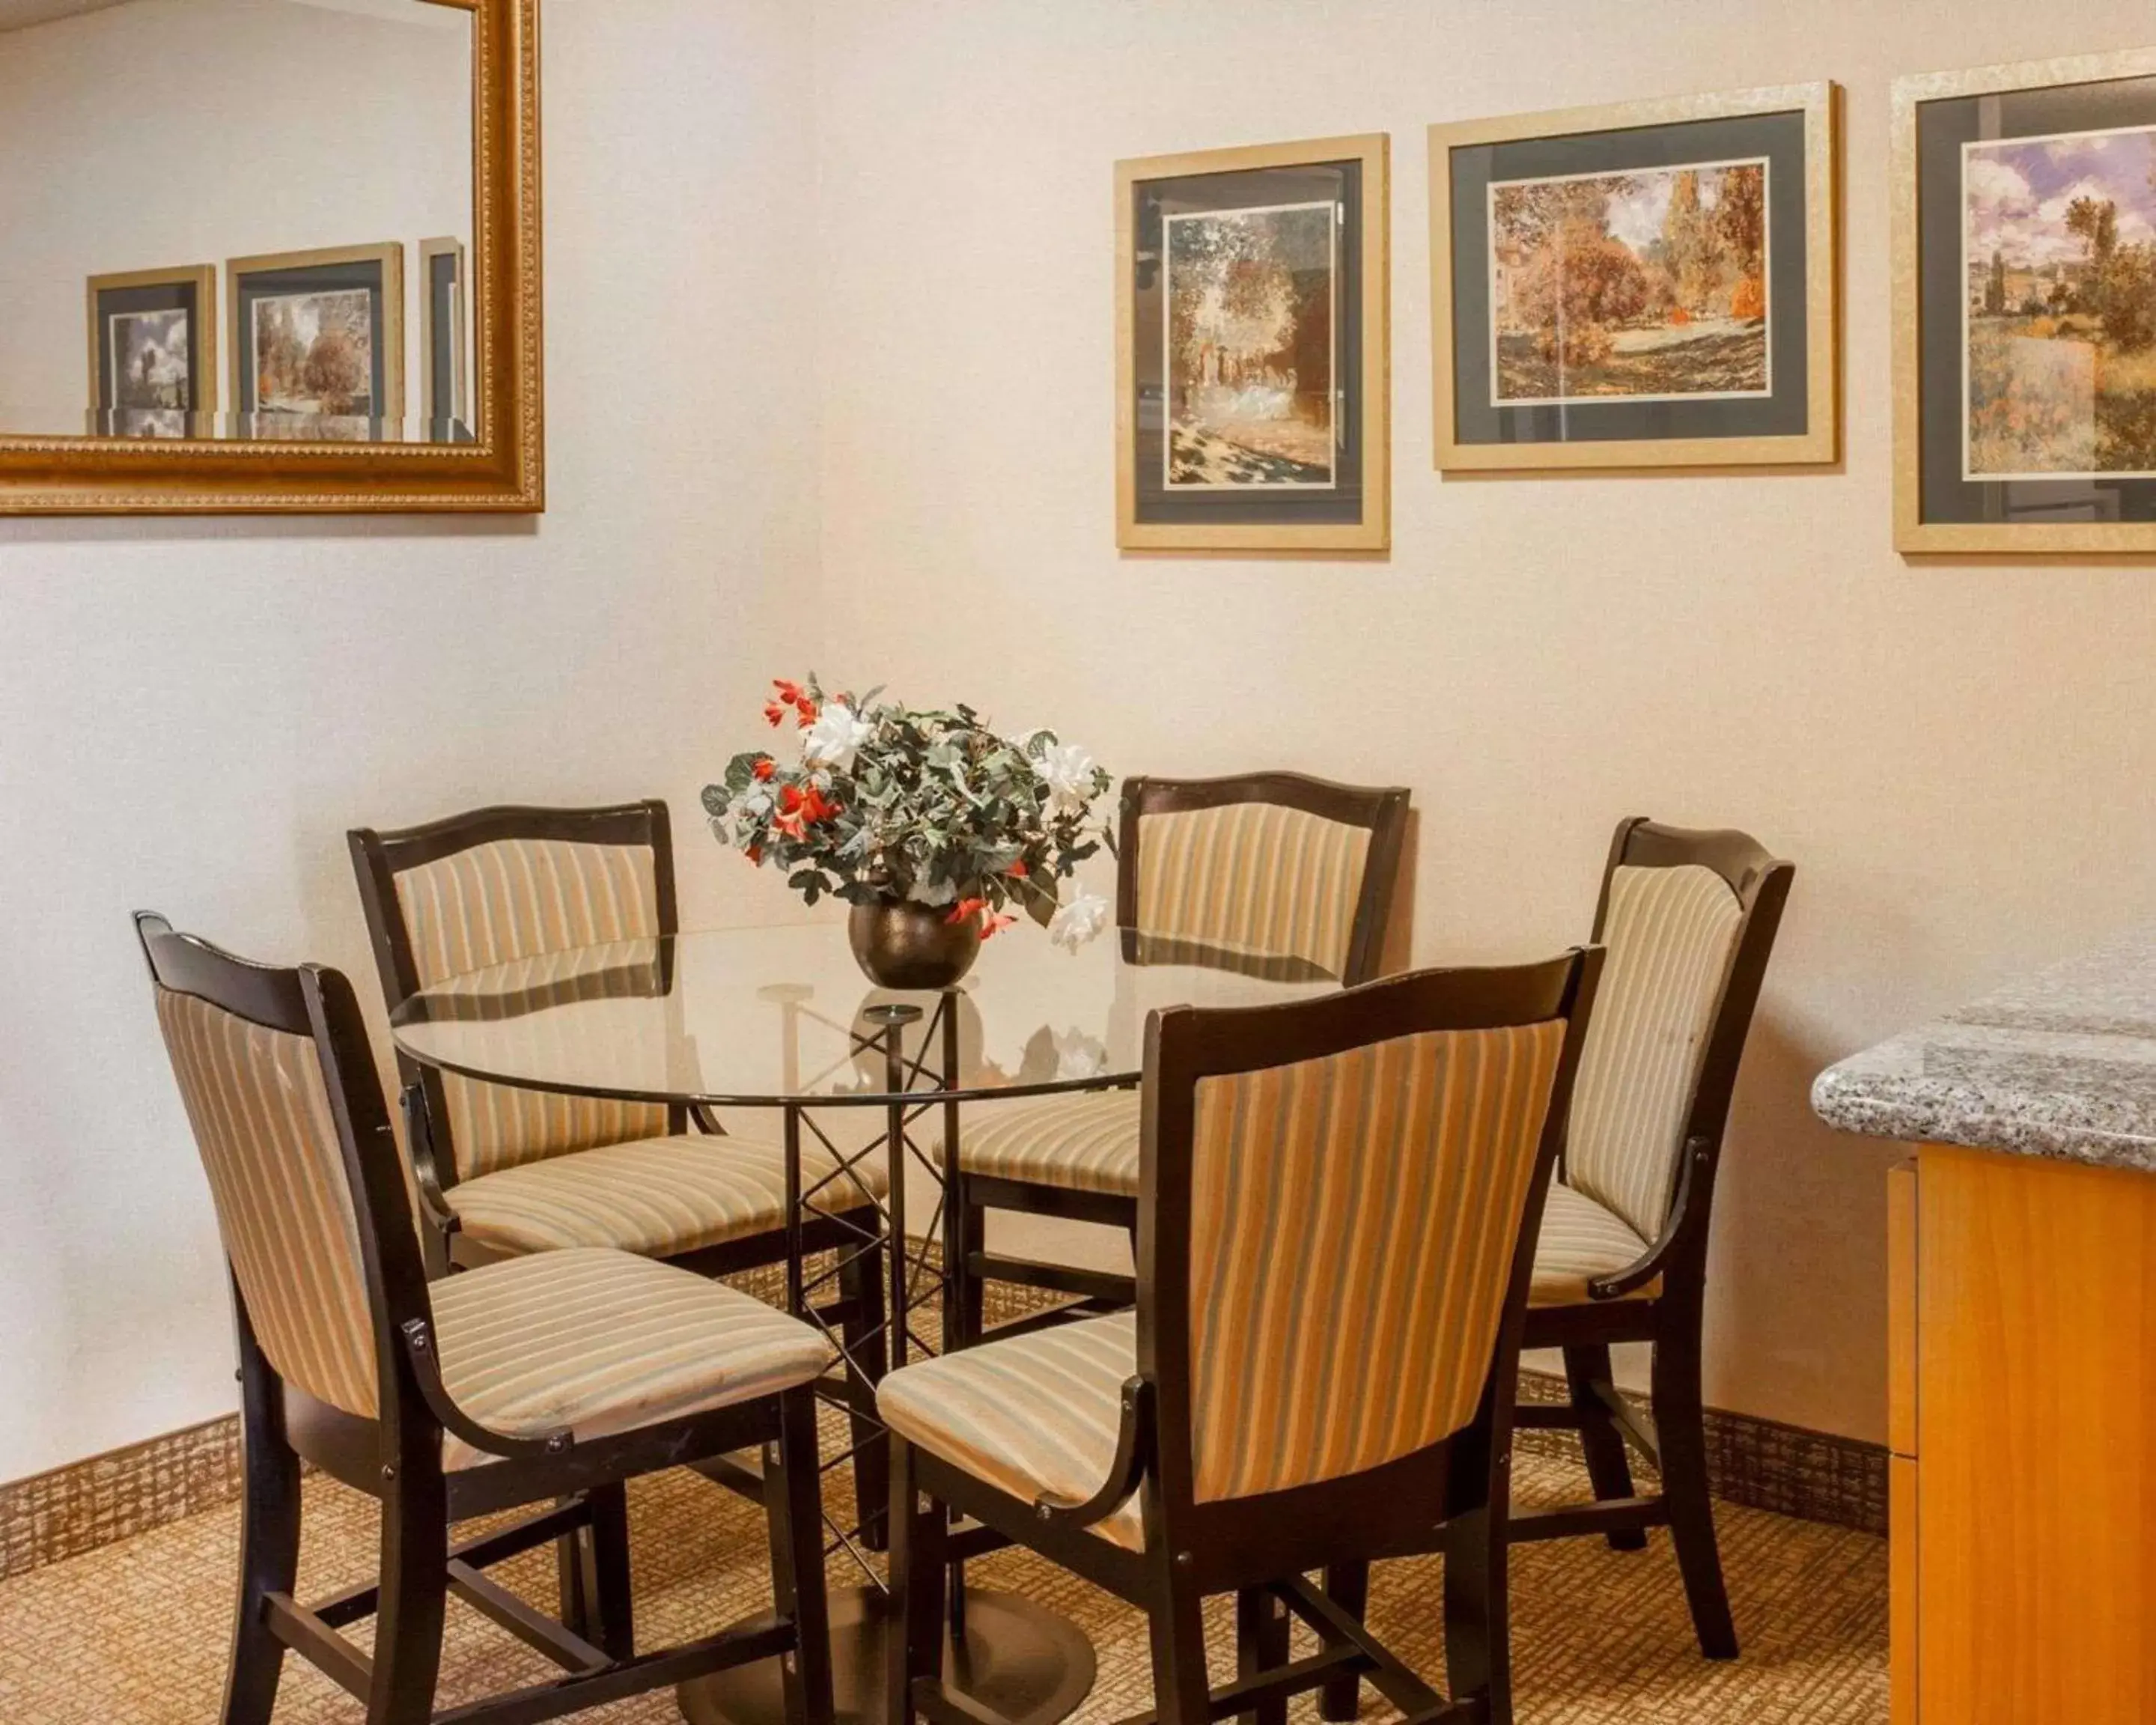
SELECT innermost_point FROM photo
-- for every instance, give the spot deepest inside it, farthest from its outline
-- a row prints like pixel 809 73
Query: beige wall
pixel 1959 759
pixel 192 713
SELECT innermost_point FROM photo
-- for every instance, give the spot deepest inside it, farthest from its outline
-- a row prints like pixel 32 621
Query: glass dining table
pixel 781 1020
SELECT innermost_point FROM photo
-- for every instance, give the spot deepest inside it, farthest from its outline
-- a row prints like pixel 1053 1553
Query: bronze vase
pixel 899 944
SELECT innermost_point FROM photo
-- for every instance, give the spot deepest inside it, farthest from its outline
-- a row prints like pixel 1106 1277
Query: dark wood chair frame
pixel 1383 812
pixel 397 1458
pixel 853 1237
pixel 1261 1548
pixel 1673 1439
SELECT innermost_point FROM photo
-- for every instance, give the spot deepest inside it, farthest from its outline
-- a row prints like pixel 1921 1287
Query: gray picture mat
pixel 1246 189
pixel 162 296
pixel 313 278
pixel 1942 127
pixel 1779 138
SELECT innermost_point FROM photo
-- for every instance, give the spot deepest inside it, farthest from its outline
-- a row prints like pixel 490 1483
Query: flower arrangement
pixel 886 803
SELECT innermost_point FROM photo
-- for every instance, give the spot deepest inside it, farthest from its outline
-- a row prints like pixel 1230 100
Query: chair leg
pixel 1478 1618
pixel 269 1544
pixel 861 1285
pixel 1588 1373
pixel 1349 1586
pixel 415 1576
pixel 1680 1435
pixel 972 1302
pixel 610 1599
pixel 1182 1693
pixel 914 1648
pixel 1261 1645
pixel 793 1507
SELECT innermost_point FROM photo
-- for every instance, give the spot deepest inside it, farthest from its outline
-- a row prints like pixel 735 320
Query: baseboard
pixel 1763 1464
pixel 78 1507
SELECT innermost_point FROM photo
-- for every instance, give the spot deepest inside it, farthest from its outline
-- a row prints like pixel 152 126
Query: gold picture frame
pixel 1817 441
pixel 431 410
pixel 1361 394
pixel 332 264
pixel 502 469
pixel 197 280
pixel 1915 534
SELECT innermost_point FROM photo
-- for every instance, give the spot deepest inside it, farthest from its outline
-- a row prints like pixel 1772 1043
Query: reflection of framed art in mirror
pixel 318 334
pixel 442 327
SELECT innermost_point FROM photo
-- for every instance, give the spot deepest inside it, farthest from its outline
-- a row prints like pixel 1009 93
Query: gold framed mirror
pixel 310 257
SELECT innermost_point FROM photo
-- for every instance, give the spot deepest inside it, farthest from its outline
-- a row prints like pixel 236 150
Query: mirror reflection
pixel 259 213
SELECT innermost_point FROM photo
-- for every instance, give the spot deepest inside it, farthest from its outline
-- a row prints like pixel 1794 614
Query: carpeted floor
pixel 134 1634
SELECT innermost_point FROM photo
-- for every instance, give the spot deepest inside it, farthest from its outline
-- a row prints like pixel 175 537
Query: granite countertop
pixel 2061 1064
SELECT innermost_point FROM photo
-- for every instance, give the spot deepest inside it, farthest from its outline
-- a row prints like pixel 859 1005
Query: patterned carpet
pixel 134 1634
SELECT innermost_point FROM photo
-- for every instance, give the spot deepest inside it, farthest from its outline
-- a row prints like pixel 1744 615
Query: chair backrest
pixel 1688 919
pixel 1335 1196
pixel 489 887
pixel 274 1069
pixel 1276 866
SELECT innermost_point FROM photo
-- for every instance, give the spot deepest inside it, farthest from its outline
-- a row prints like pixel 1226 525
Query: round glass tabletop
pixel 764 1016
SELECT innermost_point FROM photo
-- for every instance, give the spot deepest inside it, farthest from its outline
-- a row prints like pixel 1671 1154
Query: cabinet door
pixel 2035 1484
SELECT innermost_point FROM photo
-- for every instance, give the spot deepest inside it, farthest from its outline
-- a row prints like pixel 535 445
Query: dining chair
pixel 1274 873
pixel 502 1172
pixel 1688 919
pixel 549 1380
pixel 1334 1196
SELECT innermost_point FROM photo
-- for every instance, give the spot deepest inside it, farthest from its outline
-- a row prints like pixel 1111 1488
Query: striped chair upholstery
pixel 1037 1414
pixel 1580 1240
pixel 602 1342
pixel 1377 1195
pixel 659 1197
pixel 1670 934
pixel 519 898
pixel 1256 877
pixel 259 1108
pixel 1082 1143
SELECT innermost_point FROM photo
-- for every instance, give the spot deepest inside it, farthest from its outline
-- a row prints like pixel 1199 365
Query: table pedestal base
pixel 1024 1661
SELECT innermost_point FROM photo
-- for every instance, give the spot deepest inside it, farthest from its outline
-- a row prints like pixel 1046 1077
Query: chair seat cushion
pixel 1036 1414
pixel 655 1196
pixel 605 1342
pixel 1581 1240
pixel 1087 1142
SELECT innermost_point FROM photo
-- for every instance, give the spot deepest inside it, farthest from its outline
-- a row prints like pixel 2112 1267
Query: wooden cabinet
pixel 2022 1419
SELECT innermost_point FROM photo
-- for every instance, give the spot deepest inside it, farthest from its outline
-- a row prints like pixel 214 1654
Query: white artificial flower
pixel 752 804
pixel 1081 921
pixel 1068 770
pixel 835 738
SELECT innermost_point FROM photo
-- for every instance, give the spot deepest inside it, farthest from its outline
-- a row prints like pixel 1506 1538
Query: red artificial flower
pixel 807 709
pixel 788 693
pixel 1018 870
pixel 790 798
pixel 991 925
pixel 756 855
pixel 815 807
pixel 967 908
pixel 764 767
pixel 773 712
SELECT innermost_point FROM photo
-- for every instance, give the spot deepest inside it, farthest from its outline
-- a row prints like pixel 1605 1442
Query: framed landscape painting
pixel 318 336
pixel 1251 339
pixel 152 351
pixel 2025 288
pixel 1651 285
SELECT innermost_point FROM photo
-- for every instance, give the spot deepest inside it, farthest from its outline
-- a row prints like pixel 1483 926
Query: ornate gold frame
pixel 203 279
pixel 504 470
pixel 1820 441
pixel 1912 534
pixel 1374 533
pixel 389 256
